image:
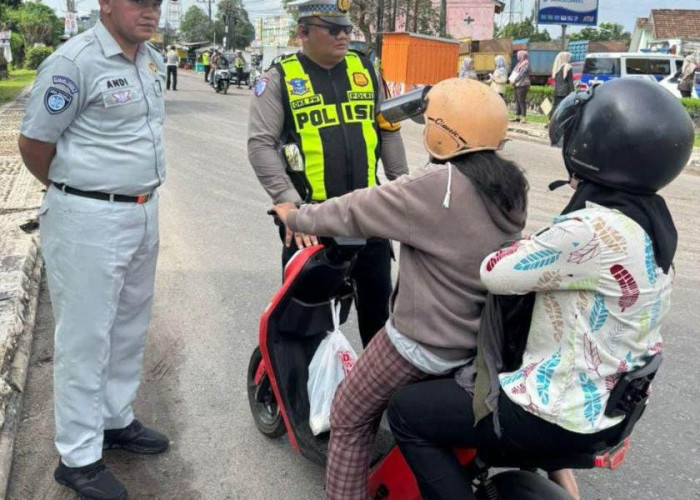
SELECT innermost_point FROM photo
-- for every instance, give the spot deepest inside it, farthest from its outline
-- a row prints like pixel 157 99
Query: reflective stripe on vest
pixel 310 115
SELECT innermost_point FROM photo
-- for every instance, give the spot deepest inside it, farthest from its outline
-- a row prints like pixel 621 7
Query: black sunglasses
pixel 334 29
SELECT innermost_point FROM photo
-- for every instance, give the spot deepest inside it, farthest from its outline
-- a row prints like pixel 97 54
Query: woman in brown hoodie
pixel 447 216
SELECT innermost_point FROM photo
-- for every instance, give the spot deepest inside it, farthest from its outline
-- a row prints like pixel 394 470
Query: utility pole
pixel 380 27
pixel 211 23
pixel 443 18
pixel 563 37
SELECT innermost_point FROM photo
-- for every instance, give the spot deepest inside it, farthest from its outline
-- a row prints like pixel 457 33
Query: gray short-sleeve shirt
pixel 104 113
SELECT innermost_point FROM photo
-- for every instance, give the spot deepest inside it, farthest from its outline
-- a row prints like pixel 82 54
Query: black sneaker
pixel 137 438
pixel 91 482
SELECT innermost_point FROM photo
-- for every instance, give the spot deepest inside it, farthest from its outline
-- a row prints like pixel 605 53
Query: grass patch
pixel 697 140
pixel 532 118
pixel 11 87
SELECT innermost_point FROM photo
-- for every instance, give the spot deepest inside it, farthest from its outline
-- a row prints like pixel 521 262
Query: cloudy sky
pixel 620 11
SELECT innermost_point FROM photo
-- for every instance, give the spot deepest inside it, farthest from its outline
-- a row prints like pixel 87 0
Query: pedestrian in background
pixel 205 63
pixel 172 60
pixel 93 135
pixel 467 69
pixel 520 79
pixel 687 79
pixel 499 77
pixel 563 78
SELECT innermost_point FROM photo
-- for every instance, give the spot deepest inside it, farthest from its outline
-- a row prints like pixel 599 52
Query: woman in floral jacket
pixel 602 273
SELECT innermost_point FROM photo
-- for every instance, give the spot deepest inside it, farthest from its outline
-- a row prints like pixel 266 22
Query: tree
pixel 604 33
pixel 523 29
pixel 5 6
pixel 233 16
pixel 194 26
pixel 419 16
pixel 37 23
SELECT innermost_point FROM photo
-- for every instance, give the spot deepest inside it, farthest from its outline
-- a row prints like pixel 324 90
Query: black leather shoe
pixel 137 438
pixel 91 482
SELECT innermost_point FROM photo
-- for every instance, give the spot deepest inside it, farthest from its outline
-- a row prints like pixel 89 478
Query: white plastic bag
pixel 332 361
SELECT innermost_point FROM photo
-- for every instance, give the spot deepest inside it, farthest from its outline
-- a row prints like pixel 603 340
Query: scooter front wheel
pixel 263 404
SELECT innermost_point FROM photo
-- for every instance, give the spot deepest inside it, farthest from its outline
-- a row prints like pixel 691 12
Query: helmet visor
pixel 566 116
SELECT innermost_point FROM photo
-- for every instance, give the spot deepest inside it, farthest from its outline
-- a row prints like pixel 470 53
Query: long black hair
pixel 501 180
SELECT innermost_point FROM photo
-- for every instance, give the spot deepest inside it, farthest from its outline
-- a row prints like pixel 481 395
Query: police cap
pixel 330 11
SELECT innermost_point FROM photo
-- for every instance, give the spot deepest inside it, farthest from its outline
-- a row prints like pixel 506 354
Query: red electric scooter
pixel 293 325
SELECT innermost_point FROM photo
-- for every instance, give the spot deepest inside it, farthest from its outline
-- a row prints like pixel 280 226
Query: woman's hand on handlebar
pixel 302 240
pixel 283 209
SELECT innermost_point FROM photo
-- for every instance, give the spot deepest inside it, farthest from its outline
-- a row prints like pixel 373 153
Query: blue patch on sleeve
pixel 56 100
pixel 67 82
pixel 260 87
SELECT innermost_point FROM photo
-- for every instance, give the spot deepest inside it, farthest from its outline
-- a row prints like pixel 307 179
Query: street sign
pixel 569 12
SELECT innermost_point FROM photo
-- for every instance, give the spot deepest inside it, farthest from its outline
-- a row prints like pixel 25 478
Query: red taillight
pixel 582 86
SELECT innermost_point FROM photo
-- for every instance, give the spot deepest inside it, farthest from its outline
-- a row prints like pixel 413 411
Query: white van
pixel 601 67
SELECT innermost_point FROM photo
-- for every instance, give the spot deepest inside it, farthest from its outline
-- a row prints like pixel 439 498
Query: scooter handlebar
pixel 275 217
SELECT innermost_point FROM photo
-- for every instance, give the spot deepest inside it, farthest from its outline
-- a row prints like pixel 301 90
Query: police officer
pixel 205 63
pixel 239 63
pixel 93 134
pixel 325 99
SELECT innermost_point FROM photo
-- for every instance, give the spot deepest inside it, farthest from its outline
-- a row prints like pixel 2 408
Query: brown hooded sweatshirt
pixel 445 233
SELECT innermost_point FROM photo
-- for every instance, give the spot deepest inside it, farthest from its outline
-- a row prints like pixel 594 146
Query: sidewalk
pixel 20 270
pixel 537 132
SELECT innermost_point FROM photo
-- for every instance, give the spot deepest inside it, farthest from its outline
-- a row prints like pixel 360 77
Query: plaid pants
pixel 357 409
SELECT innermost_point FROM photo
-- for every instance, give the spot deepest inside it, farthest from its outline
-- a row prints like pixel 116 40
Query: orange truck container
pixel 411 59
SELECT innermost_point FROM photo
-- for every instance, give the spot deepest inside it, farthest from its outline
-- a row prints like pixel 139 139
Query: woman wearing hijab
pixel 687 79
pixel 602 276
pixel 520 78
pixel 563 78
pixel 467 69
pixel 499 77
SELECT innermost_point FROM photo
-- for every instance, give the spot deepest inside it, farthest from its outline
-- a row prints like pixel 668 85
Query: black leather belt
pixel 96 195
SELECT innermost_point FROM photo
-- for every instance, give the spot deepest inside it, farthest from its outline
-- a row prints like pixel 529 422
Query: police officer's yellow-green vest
pixel 205 58
pixel 330 114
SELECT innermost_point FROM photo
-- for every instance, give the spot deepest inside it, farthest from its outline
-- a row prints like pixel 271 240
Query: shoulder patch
pixel 260 86
pixel 56 100
pixel 66 82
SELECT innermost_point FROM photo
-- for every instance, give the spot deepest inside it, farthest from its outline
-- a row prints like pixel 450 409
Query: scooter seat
pixel 610 458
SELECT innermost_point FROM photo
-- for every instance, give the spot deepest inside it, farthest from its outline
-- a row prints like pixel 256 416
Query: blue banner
pixel 581 12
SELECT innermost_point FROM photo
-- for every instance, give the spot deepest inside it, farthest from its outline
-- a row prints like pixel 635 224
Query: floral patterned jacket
pixel 600 302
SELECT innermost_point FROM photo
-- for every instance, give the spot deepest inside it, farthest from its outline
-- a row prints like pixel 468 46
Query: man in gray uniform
pixel 325 100
pixel 93 134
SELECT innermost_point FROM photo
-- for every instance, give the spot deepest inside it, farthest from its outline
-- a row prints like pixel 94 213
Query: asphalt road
pixel 219 266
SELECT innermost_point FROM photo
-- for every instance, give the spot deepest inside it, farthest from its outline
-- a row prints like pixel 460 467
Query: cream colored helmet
pixel 463 116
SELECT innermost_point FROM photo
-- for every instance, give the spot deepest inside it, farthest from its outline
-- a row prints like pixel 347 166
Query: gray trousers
pixel 100 263
pixel 521 100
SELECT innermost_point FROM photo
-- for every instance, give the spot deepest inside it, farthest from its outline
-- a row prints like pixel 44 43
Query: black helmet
pixel 628 134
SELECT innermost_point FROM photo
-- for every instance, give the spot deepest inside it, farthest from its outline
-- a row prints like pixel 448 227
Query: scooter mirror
pixel 292 155
pixel 409 105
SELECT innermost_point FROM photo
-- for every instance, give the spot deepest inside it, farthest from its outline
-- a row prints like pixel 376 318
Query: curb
pixel 20 273
pixel 19 96
pixel 525 135
pixel 25 317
